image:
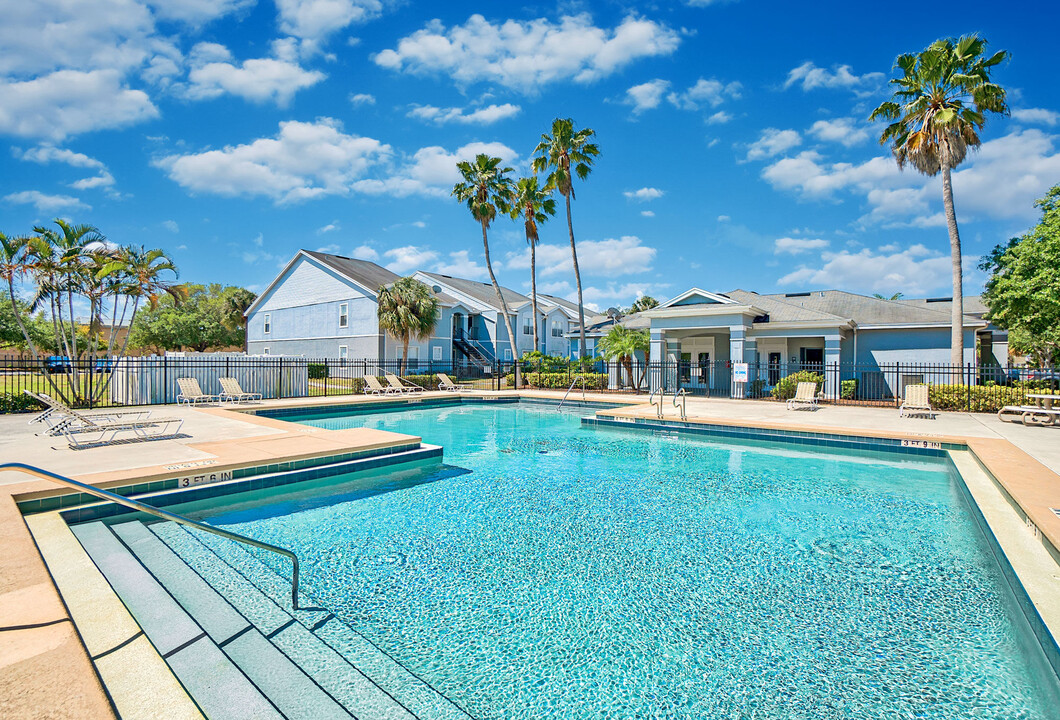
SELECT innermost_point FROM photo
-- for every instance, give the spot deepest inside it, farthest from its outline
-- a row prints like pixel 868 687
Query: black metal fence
pixel 154 380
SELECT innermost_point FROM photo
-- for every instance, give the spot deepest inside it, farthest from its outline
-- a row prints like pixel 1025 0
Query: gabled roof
pixel 688 297
pixel 479 291
pixel 363 272
pixel 841 305
pixel 973 304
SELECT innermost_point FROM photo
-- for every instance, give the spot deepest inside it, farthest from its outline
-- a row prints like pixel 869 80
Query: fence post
pixel 279 379
pixel 165 379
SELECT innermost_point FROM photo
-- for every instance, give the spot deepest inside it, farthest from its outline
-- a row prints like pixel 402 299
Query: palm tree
pixel 895 296
pixel 936 112
pixel 644 302
pixel 568 152
pixel 534 205
pixel 407 309
pixel 623 344
pixel 486 188
pixel 237 302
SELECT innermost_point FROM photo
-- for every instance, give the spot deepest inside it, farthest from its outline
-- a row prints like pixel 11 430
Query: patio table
pixel 1050 406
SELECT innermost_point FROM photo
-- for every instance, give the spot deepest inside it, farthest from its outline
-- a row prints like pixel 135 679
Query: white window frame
pixel 264 351
pixel 344 352
pixel 437 352
pixel 266 325
pixel 528 326
pixel 507 354
pixel 344 315
pixel 557 329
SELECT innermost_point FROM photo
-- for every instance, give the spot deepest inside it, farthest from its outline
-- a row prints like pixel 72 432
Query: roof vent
pixel 437 288
pixel 797 294
pixel 761 318
pixel 947 299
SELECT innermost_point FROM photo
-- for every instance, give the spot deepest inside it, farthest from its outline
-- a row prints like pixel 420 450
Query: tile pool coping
pixel 1027 486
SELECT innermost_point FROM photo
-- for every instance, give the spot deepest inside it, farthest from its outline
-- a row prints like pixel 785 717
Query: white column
pixel 831 366
pixel 737 338
pixel 658 358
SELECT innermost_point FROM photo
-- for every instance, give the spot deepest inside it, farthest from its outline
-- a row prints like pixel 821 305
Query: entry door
pixel 775 359
pixel 812 358
pixel 706 372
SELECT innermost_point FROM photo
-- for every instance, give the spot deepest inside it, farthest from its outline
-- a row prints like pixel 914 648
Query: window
pixel 437 352
pixel 268 323
pixel 344 315
pixel 344 352
pixel 507 354
pixel 414 358
pixel 557 328
pixel 528 326
pixel 265 351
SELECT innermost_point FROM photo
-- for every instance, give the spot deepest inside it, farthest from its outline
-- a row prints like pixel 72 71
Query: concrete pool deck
pixel 45 669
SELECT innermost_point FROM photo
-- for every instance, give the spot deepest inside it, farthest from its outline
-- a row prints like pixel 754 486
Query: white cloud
pixel 70 102
pixel 305 160
pixel 1036 116
pixel 647 213
pixel 171 225
pixel 103 180
pixel 646 96
pixel 259 80
pixel 773 142
pixel 483 116
pixel 607 258
pixel 719 118
pixel 810 77
pixel 915 271
pixel 461 264
pixel 409 258
pixel 599 298
pixel 711 92
pixel 46 154
pixel 257 253
pixel 724 218
pixel 316 19
pixel 45 203
pixel 841 130
pixel 365 252
pixel 330 227
pixel 431 171
pixel 528 54
pixel 196 12
pixel 796 246
pixel 645 194
pixel 362 99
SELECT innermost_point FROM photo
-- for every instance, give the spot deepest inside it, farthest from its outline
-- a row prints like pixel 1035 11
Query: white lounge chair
pixel 232 391
pixel 192 394
pixel 60 414
pixel 916 402
pixel 806 396
pixel 91 433
pixel 372 386
pixel 401 387
pixel 444 383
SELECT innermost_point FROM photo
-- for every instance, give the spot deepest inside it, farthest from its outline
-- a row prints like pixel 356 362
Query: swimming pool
pixel 554 570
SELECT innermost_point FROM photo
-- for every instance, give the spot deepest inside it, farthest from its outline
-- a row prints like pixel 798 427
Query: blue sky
pixel 735 150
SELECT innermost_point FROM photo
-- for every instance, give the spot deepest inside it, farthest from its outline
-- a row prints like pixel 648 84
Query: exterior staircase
pixel 222 619
pixel 475 352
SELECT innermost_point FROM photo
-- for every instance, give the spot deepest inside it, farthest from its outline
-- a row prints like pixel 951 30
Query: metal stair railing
pixel 681 394
pixel 576 379
pixel 662 397
pixel 165 515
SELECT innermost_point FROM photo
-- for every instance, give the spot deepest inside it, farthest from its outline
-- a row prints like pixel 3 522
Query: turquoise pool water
pixel 556 571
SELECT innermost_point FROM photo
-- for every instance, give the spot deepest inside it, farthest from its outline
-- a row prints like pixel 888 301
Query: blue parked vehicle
pixel 57 364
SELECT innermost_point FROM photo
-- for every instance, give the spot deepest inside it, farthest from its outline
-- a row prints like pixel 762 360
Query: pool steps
pixel 222 620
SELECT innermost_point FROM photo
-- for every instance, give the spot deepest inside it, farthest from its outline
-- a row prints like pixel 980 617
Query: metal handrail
pixel 158 512
pixel 662 398
pixel 683 394
pixel 576 379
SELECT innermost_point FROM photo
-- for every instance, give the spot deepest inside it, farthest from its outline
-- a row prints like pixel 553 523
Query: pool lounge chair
pixel 444 383
pixel 916 402
pixel 806 396
pixel 401 387
pixel 60 414
pixel 91 433
pixel 192 394
pixel 372 386
pixel 232 391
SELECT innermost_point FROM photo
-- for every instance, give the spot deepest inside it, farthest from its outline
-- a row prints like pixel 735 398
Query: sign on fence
pixel 739 372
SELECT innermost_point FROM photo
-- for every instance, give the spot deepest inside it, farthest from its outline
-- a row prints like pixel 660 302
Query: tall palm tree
pixel 407 309
pixel 644 302
pixel 623 344
pixel 937 111
pixel 237 302
pixel 568 153
pixel 534 205
pixel 486 188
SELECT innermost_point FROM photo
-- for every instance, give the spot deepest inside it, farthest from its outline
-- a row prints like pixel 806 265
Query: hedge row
pixel 18 403
pixel 980 398
pixel 561 380
pixel 786 387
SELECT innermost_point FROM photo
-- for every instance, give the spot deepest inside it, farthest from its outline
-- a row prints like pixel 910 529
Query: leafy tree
pixel 533 205
pixel 894 296
pixel 407 309
pixel 12 321
pixel 486 188
pixel 567 152
pixel 936 112
pixel 237 303
pixel 1023 291
pixel 644 302
pixel 199 321
pixel 622 344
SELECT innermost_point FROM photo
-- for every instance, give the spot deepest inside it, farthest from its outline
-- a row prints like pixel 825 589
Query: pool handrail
pixel 662 398
pixel 683 395
pixel 164 514
pixel 577 377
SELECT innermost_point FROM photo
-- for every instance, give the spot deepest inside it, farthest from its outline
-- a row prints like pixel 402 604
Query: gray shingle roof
pixel 366 273
pixel 572 306
pixel 483 292
pixel 841 305
pixel 973 304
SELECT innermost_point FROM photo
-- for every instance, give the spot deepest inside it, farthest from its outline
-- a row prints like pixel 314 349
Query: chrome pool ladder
pixel 165 515
pixel 662 398
pixel 681 394
pixel 577 378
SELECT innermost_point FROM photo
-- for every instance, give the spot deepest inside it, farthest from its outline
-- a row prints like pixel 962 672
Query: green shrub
pixel 560 381
pixel 848 389
pixel 757 389
pixel 980 398
pixel 785 389
pixel 18 403
pixel 317 371
pixel 427 382
pixel 537 361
